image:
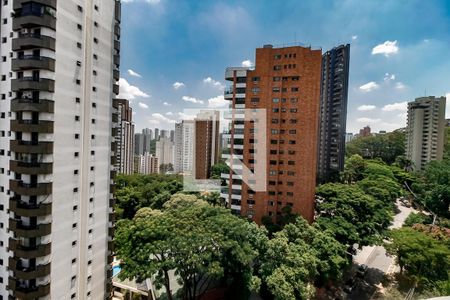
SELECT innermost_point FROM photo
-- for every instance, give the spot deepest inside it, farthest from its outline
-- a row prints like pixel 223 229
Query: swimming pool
pixel 116 270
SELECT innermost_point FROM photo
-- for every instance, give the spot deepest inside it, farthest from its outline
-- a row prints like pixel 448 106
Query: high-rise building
pixel 63 59
pixel 164 134
pixel 333 112
pixel 125 137
pixel 147 164
pixel 148 132
pixel 164 151
pixel 349 137
pixel 156 134
pixel 365 132
pixel 425 130
pixel 172 135
pixel 138 144
pixel 184 147
pixel 206 143
pixel 285 82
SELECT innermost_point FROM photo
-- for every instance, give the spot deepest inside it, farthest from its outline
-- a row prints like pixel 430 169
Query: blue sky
pixel 174 52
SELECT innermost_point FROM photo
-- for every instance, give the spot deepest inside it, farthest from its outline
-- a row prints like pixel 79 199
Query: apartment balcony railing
pixel 24 209
pixel 28 252
pixel 33 40
pixel 27 273
pixel 33 83
pixel 27 292
pixel 32 147
pixel 29 231
pixel 28 62
pixel 50 3
pixel 40 126
pixel 31 168
pixel 30 189
pixel 37 105
pixel 31 19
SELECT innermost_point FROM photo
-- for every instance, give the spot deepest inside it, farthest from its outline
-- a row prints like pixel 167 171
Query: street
pixel 376 259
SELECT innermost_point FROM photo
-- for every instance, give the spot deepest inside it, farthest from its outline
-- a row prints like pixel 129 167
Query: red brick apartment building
pixel 285 82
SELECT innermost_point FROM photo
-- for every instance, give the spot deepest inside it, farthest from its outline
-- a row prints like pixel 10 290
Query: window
pixel 291 163
pixel 77 100
pixel 75 190
pixel 275 110
pixel 96 40
pixel 74 225
pixel 290 183
pixel 80 9
pixel 276 90
pixel 273 151
pixel 295 78
pixel 256 90
pixel 291 142
pixel 77 136
pixel 294 89
pixel 273 142
pixel 77 118
pixel 78 63
pixel 292 131
pixel 291 152
pixel 76 154
pixel 254 100
pixel 274 131
pixel 256 79
pixel 294 100
pixel 75 207
pixel 75 172
pixel 277 67
pixel 277 78
pixel 79 45
pixel 275 100
pixel 277 56
pixel 79 27
pixel 275 121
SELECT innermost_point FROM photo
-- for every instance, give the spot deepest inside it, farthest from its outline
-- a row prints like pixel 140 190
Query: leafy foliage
pixel 384 146
pixel 420 255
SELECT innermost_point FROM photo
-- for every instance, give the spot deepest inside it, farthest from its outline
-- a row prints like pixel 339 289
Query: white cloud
pixel 354 37
pixel 169 113
pixel 185 116
pixel 134 74
pixel 403 115
pixel 192 100
pixel 387 48
pixel 366 107
pixel 368 120
pixel 178 85
pixel 399 106
pixel 368 87
pixel 159 119
pixel 400 86
pixel 218 102
pixel 247 63
pixel 143 105
pixel 167 104
pixel 388 77
pixel 130 92
pixel 215 83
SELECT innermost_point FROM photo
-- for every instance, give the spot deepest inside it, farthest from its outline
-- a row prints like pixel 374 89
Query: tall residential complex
pixel 61 63
pixel 125 136
pixel 146 164
pixel 365 132
pixel 425 130
pixel 184 147
pixel 142 141
pixel 333 112
pixel 206 143
pixel 156 134
pixel 164 151
pixel 285 82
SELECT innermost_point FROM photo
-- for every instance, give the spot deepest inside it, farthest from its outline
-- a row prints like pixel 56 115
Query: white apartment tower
pixel 147 164
pixel 425 130
pixel 164 151
pixel 59 69
pixel 125 136
pixel 184 147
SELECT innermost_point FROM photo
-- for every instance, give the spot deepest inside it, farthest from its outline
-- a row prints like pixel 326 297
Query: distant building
pixel 148 132
pixel 184 136
pixel 164 134
pixel 425 130
pixel 124 137
pixel 349 137
pixel 147 164
pixel 164 151
pixel 365 132
pixel 333 112
pixel 142 141
pixel 156 134
pixel 206 143
pixel 172 135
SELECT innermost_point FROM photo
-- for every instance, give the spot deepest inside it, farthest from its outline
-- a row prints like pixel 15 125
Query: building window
pixel 275 100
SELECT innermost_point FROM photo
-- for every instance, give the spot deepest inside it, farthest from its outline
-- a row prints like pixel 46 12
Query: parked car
pixel 362 269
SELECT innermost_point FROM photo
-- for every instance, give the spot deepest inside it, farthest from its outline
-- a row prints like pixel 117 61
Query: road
pixel 376 259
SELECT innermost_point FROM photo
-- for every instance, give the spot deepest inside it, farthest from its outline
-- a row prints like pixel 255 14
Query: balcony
pixel 31 41
pixel 31 147
pixel 30 189
pixel 31 168
pixel 116 89
pixel 34 20
pixel 27 273
pixel 116 75
pixel 39 126
pixel 18 3
pixel 117 45
pixel 25 292
pixel 33 83
pixel 29 231
pixel 29 252
pixel 24 209
pixel 33 62
pixel 37 105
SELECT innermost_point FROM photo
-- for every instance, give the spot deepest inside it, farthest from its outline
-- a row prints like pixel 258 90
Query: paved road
pixel 378 262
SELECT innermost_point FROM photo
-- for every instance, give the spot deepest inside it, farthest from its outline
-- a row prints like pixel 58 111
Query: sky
pixel 174 52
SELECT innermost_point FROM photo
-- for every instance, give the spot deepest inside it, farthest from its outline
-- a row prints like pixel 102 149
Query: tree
pixel 422 257
pixel 219 168
pixel 417 218
pixel 200 242
pixel 213 198
pixel 384 146
pixel 354 169
pixel 351 214
pixel 165 168
pixel 299 256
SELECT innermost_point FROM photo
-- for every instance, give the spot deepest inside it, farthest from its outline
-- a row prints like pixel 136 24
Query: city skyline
pixel 181 64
